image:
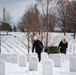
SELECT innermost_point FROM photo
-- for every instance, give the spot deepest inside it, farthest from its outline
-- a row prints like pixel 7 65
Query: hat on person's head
pixel 35 38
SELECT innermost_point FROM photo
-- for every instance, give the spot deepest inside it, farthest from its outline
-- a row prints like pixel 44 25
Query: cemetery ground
pixel 14 60
pixel 16 66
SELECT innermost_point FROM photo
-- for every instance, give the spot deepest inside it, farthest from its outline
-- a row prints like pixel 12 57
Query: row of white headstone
pixel 48 64
pixel 57 59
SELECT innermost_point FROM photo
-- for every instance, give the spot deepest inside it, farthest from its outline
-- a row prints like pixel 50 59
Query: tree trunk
pixel 28 41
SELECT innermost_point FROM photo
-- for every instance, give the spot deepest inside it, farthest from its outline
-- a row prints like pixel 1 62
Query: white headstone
pixel 63 57
pixel 33 63
pixel 31 54
pixel 44 56
pixel 48 67
pixel 2 56
pixel 73 64
pixel 69 55
pixel 8 58
pixel 14 58
pixel 56 58
pixel 28 55
pixel 34 54
pixel 74 54
pixel 22 60
pixel 3 67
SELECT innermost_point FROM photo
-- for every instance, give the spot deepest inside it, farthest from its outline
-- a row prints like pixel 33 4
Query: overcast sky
pixel 15 8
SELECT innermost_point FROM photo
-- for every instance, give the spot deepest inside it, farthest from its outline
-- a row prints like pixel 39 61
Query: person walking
pixel 63 45
pixel 38 46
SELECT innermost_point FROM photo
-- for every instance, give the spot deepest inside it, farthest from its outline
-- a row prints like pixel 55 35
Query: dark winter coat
pixel 63 47
pixel 38 46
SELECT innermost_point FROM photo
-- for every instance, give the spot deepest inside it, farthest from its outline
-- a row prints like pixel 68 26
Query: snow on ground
pixel 14 69
pixel 17 43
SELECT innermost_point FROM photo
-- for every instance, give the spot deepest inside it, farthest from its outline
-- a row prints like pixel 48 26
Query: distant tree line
pixel 5 27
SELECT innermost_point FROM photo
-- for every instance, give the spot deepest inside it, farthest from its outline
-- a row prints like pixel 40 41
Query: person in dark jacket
pixel 63 45
pixel 38 46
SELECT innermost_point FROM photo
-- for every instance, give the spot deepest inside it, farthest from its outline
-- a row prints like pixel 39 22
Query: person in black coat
pixel 38 46
pixel 63 45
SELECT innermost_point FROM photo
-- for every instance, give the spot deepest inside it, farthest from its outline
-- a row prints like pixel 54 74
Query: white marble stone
pixel 22 60
pixel 73 64
pixel 3 67
pixel 2 56
pixel 28 55
pixel 44 56
pixel 74 54
pixel 48 67
pixel 14 58
pixel 31 54
pixel 56 58
pixel 8 57
pixel 34 54
pixel 63 57
pixel 69 55
pixel 33 63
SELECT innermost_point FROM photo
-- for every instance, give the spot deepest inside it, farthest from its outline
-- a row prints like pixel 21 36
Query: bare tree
pixel 72 16
pixel 62 12
pixel 31 22
pixel 67 15
pixel 46 7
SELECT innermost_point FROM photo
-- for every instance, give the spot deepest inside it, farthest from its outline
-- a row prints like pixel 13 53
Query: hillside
pixel 16 42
